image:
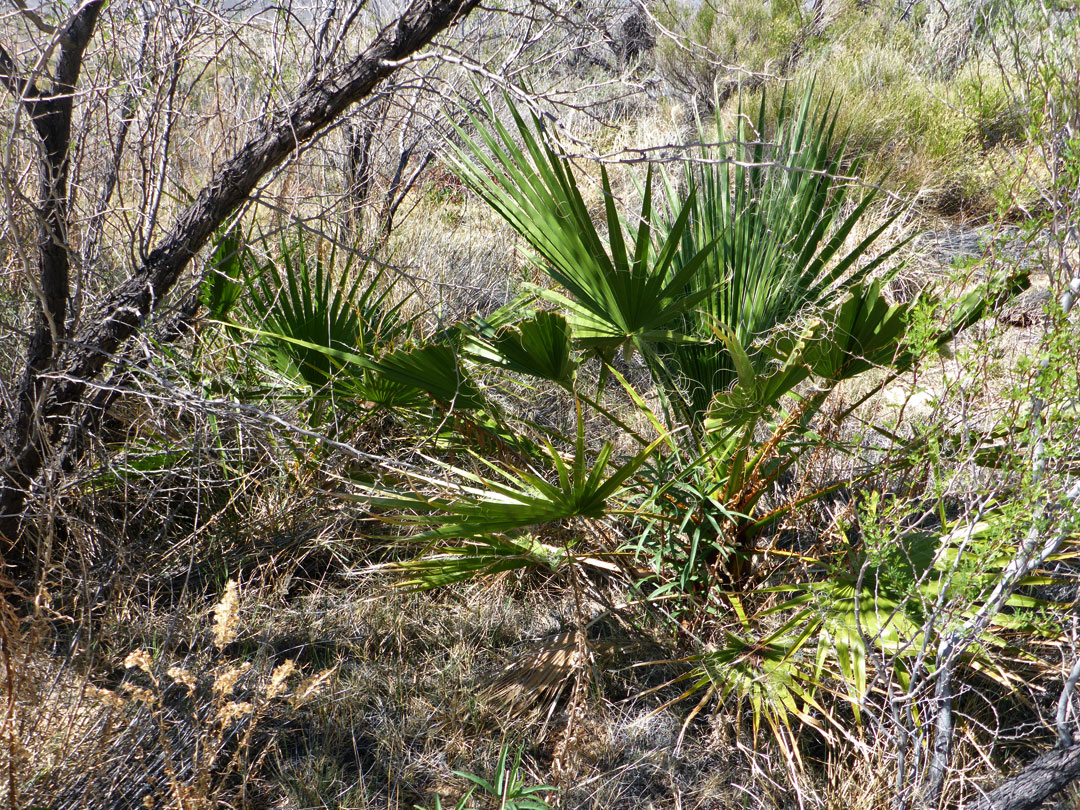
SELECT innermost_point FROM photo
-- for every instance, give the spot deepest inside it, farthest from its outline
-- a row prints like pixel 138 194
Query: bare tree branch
pixel 34 17
pixel 51 116
pixel 1065 737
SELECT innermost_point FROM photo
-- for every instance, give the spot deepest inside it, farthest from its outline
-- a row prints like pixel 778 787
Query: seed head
pixel 233 710
pixel 310 686
pixel 227 616
pixel 181 675
pixel 139 659
pixel 224 683
pixel 278 679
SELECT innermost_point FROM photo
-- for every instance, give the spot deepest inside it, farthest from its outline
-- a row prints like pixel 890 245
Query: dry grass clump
pixel 410 692
pixel 461 261
pixel 183 734
pixel 55 732
pixel 418 692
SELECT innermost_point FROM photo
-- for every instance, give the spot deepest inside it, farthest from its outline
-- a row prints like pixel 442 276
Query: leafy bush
pixel 749 304
pixel 717 45
pixel 752 297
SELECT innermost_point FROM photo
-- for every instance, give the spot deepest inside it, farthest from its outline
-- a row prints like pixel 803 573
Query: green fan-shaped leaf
pixel 433 368
pixel 223 284
pixel 776 215
pixel 539 346
pixel 480 556
pixel 618 292
pixel 505 499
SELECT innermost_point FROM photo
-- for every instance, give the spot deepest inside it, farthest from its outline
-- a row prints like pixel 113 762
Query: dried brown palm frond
pixel 533 685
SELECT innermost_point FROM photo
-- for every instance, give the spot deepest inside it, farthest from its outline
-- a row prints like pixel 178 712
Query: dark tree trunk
pixel 1044 777
pixel 360 164
pixel 50 113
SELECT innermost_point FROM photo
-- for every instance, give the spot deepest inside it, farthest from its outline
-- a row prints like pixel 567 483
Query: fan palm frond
pixel 619 292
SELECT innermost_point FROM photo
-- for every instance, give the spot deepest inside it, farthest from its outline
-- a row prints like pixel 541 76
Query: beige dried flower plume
pixel 183 676
pixel 227 678
pixel 139 659
pixel 139 693
pixel 278 679
pixel 106 696
pixel 233 710
pixel 227 616
pixel 311 685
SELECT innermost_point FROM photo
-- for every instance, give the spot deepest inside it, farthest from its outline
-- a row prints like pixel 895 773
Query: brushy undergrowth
pixel 607 486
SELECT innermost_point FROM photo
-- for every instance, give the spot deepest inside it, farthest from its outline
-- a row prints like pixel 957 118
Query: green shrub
pixel 717 45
